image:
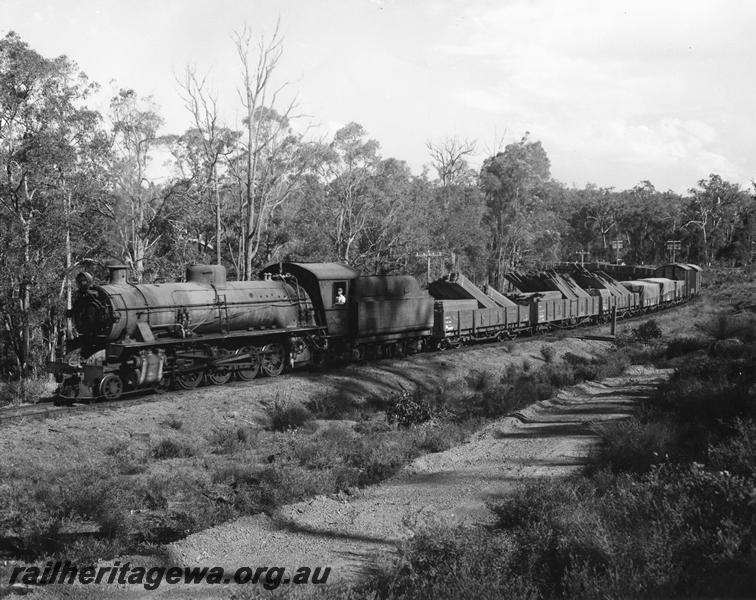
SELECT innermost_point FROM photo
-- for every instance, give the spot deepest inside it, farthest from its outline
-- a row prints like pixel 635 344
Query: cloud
pixel 623 89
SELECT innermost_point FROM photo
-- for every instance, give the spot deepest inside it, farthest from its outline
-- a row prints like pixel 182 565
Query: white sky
pixel 617 91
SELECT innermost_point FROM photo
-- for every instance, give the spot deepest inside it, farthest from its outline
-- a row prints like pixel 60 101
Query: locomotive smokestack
pixel 117 274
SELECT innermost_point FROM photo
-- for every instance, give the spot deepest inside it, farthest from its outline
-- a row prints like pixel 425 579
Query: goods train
pixel 157 336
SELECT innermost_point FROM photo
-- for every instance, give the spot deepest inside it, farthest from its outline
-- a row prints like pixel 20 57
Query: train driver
pixel 340 297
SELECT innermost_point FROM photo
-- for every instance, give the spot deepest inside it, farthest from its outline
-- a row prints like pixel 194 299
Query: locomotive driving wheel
pixel 111 387
pixel 273 359
pixel 188 380
pixel 220 375
pixel 250 372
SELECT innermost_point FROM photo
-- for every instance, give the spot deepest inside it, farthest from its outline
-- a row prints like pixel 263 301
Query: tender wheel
pixel 249 373
pixel 273 359
pixel 401 350
pixel 111 387
pixel 188 380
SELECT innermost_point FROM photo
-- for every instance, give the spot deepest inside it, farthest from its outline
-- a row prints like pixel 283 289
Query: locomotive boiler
pixel 155 335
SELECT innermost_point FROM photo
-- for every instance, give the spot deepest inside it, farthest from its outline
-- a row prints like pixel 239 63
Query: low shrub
pixel 559 375
pixel 736 454
pixel 287 415
pixel 548 353
pixel 172 448
pixel 683 346
pixel 575 359
pixel 480 381
pixel 708 391
pixel 408 410
pixel 648 331
pixel 726 325
pixel 336 404
pixel 631 446
pixel 228 440
pixel 128 460
pixel 173 422
pixel 675 531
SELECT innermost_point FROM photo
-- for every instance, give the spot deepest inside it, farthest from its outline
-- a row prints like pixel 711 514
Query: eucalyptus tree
pixel 202 153
pixel 347 168
pixel 139 207
pixel 515 184
pixel 714 211
pixel 48 146
pixel 273 157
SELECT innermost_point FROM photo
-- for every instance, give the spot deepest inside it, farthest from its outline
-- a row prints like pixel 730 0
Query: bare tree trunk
pixel 69 261
pixel 218 250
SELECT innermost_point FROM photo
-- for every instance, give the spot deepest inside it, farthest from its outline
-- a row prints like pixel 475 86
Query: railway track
pixel 46 408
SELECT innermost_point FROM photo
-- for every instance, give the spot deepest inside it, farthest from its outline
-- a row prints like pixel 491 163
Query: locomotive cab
pixel 323 282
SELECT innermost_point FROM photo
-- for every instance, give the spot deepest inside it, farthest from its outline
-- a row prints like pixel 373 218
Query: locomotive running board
pixel 117 347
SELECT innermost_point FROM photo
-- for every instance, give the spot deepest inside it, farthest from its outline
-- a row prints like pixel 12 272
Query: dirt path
pixel 547 439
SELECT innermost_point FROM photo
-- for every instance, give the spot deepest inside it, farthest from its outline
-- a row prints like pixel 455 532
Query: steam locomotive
pixel 157 336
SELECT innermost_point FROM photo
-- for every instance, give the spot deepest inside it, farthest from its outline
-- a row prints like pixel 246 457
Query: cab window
pixel 339 297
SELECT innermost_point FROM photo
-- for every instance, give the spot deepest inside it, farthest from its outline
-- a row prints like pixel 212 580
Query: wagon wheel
pixel 273 359
pixel 188 380
pixel 219 375
pixel 401 350
pixel 111 387
pixel 249 373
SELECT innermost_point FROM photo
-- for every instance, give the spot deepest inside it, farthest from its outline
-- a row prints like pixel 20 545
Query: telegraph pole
pixel 617 245
pixel 583 254
pixel 428 255
pixel 672 247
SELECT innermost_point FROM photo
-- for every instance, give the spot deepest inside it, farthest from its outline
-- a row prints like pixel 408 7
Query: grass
pixel 140 494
